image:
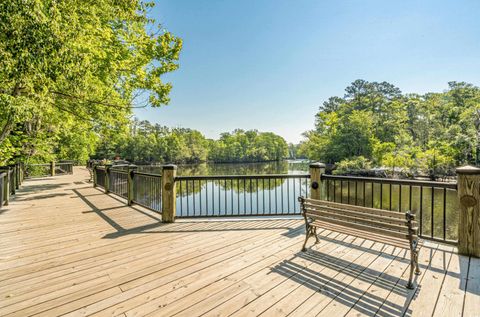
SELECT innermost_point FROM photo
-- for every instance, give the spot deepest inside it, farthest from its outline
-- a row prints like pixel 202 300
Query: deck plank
pixel 452 294
pixel 69 249
pixel 472 294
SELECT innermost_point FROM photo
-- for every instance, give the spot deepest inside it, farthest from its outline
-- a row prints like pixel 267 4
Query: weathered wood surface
pixel 469 222
pixel 69 249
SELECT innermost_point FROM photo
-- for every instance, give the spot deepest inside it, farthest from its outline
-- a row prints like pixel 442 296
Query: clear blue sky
pixel 268 65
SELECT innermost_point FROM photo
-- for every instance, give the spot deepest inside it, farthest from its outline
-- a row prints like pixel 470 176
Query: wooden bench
pixel 389 227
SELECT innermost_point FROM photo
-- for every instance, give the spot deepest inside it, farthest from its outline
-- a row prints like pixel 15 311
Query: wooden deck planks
pixel 67 248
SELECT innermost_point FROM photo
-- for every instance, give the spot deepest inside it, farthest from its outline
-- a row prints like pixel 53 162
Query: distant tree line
pixel 375 125
pixel 146 142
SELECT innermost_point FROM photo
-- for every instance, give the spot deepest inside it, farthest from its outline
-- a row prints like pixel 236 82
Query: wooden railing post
pixel 107 177
pixel 468 182
pixel 6 187
pixel 316 186
pixel 130 184
pixel 52 168
pixel 94 175
pixel 18 180
pixel 169 193
pixel 15 187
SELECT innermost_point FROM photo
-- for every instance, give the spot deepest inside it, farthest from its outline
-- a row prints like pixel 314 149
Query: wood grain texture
pixel 69 249
pixel 469 216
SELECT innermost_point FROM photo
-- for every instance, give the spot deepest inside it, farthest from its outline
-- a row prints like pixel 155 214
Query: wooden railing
pixel 11 177
pixel 438 205
pixel 49 169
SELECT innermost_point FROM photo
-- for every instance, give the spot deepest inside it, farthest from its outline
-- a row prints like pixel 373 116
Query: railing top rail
pixel 39 164
pixel 263 176
pixel 392 181
pixel 122 165
pixel 147 174
pixel 119 171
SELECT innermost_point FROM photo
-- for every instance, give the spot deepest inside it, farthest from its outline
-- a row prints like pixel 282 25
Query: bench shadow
pixel 38 197
pixel 28 188
pixel 337 290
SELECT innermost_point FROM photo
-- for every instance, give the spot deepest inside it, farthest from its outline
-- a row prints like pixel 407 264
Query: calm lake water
pixel 207 169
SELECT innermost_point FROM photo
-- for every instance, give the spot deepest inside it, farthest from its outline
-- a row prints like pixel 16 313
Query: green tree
pixel 68 64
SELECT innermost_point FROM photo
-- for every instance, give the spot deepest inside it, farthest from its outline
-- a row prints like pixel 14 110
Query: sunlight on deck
pixel 67 248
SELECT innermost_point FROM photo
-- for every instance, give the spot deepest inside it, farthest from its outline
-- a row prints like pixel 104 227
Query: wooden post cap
pixel 468 169
pixel 169 167
pixel 317 165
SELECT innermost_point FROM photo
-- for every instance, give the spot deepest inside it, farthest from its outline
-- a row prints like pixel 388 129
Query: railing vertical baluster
pixel 327 183
pixel 444 214
pixel 421 211
pixel 269 197
pixel 400 197
pixel 263 195
pixel 341 192
pixel 348 192
pixel 213 198
pixel 364 196
pixel 334 191
pixel 231 193
pixel 381 196
pixel 251 193
pixel 200 196
pixel 256 184
pixel 410 198
pixel 181 199
pixel 276 197
pixel 371 189
pixel 206 198
pixel 193 197
pixel 288 197
pixel 187 196
pixel 432 212
pixel 225 192
pixel 293 197
pixel 356 193
pixel 300 190
pixel 390 197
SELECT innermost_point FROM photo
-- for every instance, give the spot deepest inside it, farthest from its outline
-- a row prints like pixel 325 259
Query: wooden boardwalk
pixel 68 249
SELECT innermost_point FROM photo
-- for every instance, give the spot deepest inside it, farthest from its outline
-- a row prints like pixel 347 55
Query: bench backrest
pixel 385 222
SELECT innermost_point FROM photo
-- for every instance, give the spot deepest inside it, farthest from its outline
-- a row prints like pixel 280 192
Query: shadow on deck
pixel 67 248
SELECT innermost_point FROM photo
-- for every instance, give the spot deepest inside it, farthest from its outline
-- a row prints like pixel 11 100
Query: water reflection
pixel 207 169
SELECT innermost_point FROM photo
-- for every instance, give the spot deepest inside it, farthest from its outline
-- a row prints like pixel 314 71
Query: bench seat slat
pixel 352 219
pixel 367 210
pixel 359 226
pixel 393 220
pixel 401 243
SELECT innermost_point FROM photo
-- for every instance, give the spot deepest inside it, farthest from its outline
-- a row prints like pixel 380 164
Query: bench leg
pixel 413 266
pixel 417 269
pixel 308 234
pixel 316 235
pixel 410 283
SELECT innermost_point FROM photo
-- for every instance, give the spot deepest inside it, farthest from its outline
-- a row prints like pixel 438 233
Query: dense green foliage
pixel 146 142
pixel 428 133
pixel 70 72
pixel 248 146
